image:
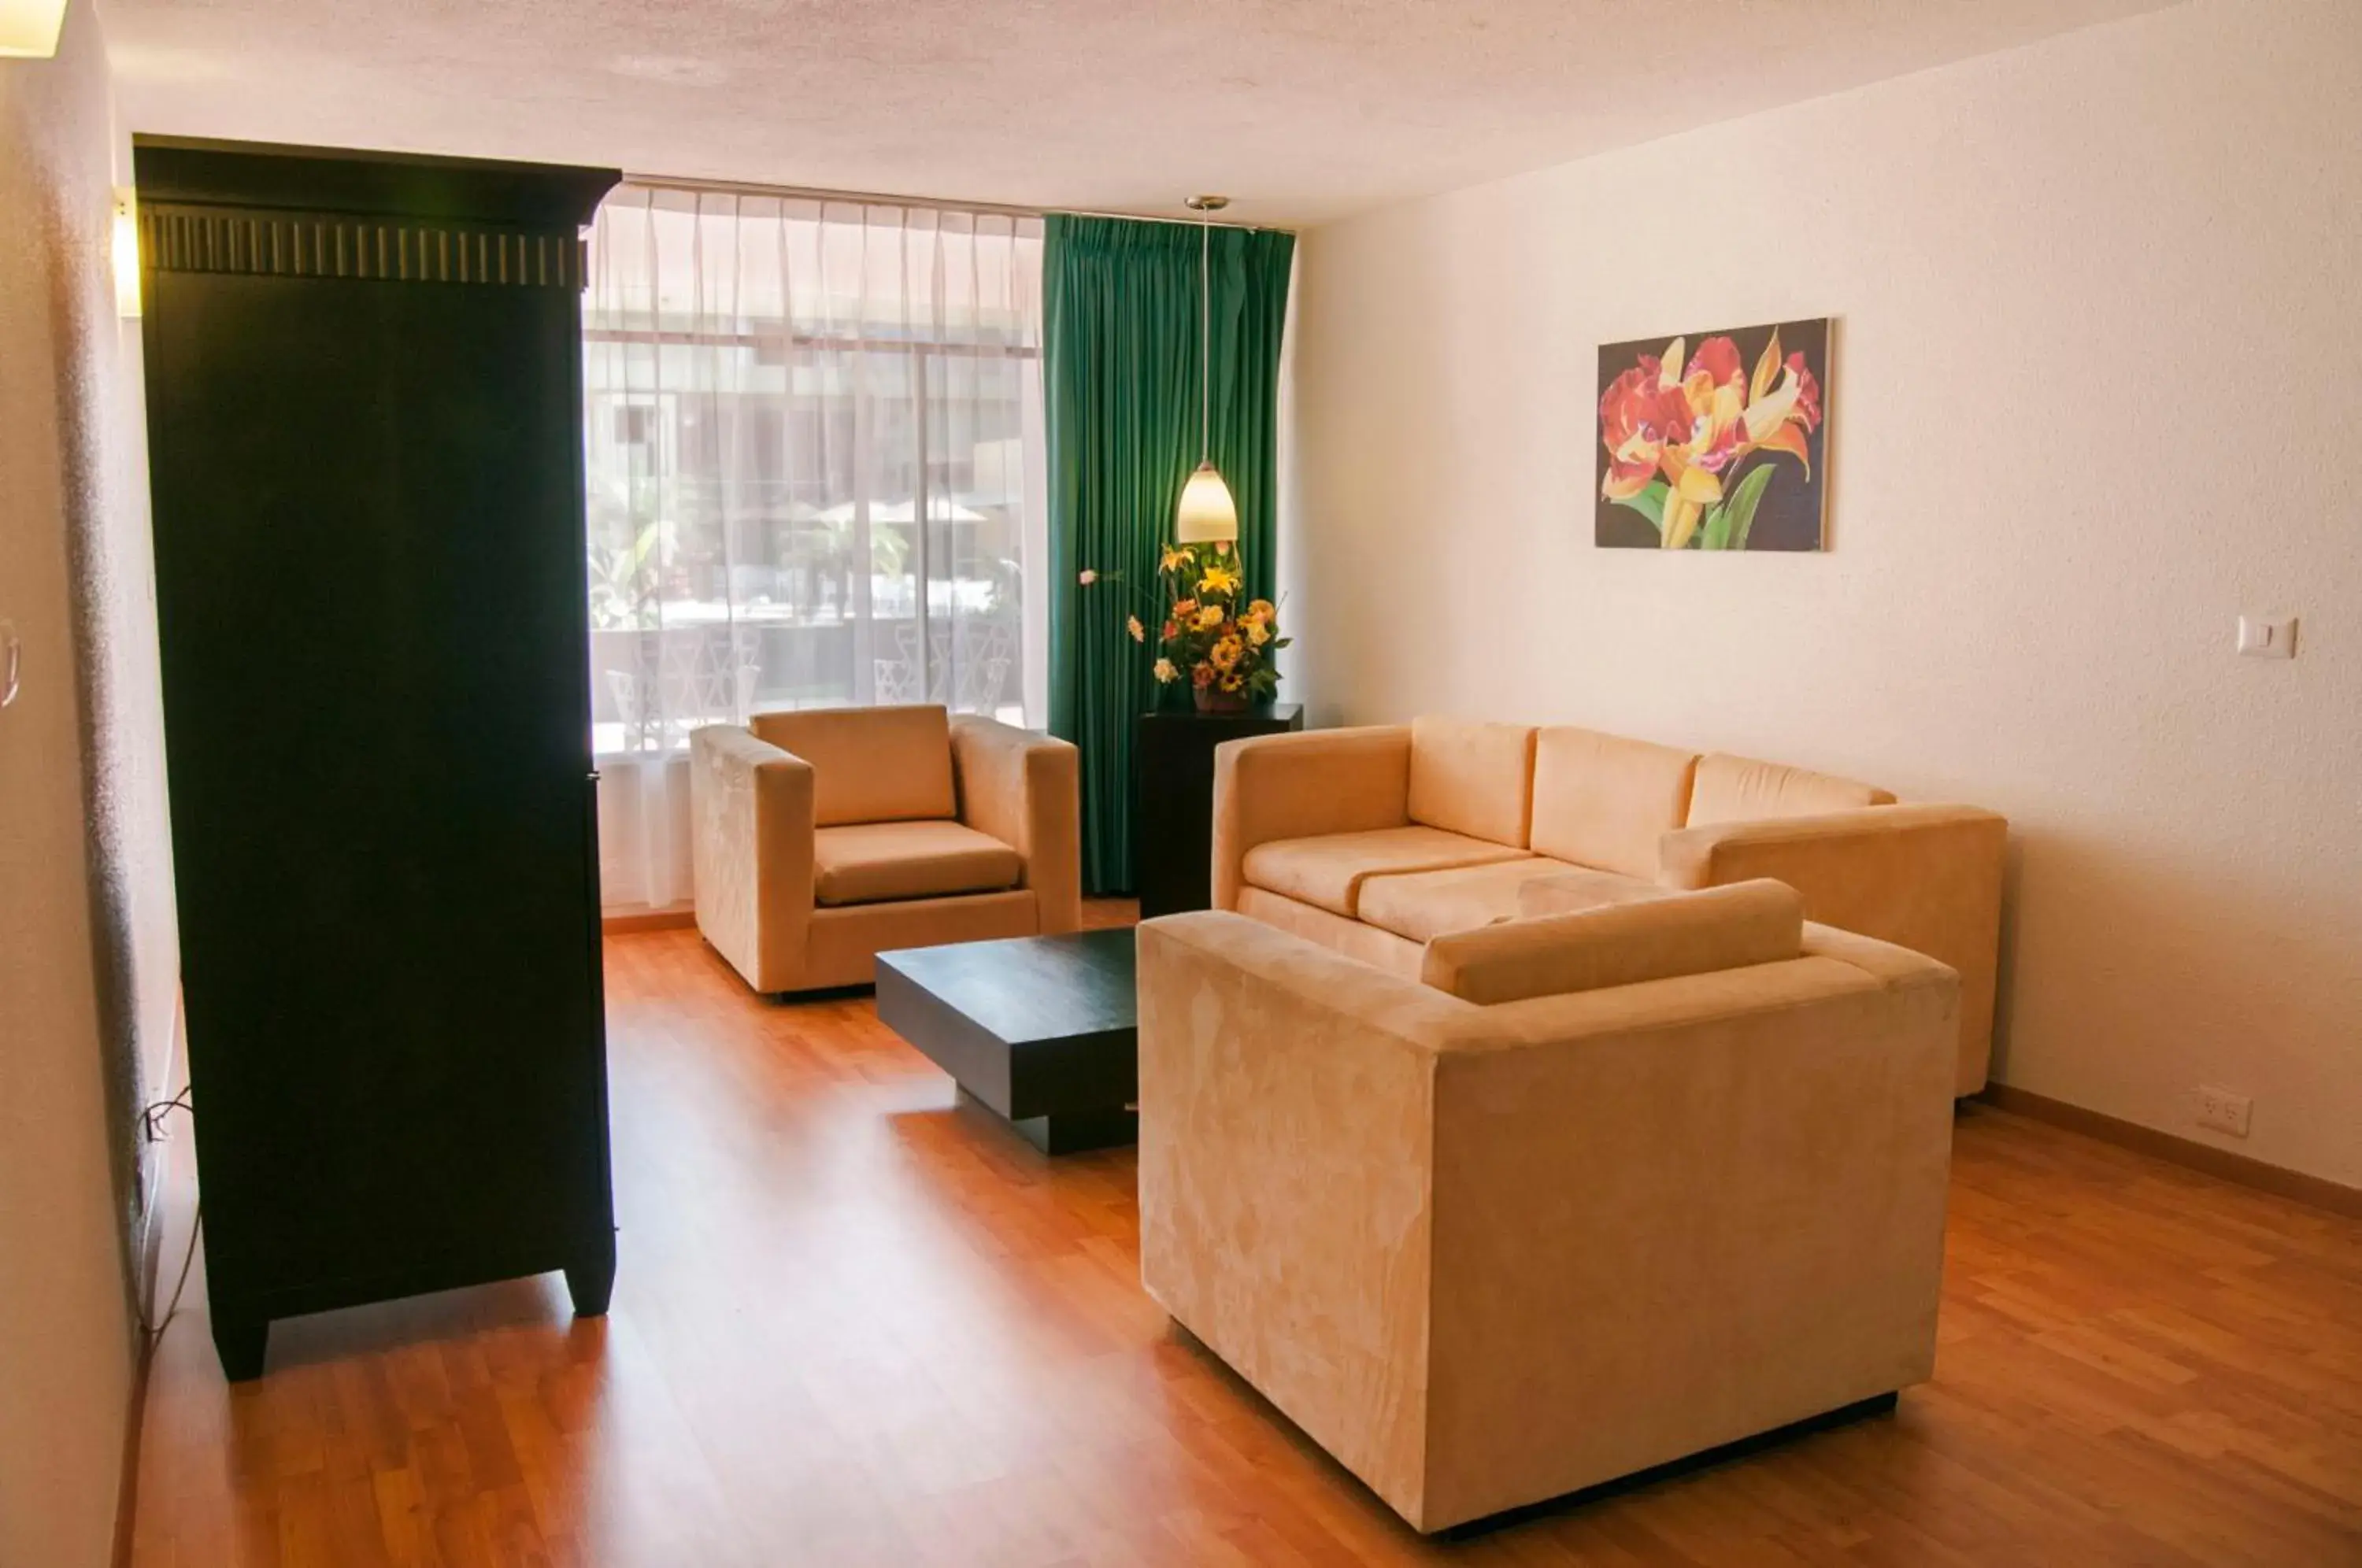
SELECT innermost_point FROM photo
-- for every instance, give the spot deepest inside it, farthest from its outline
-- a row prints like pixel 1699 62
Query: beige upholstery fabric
pixel 1421 905
pixel 1489 1255
pixel 1570 891
pixel 846 941
pixel 1935 886
pixel 1380 949
pixel 756 842
pixel 1926 878
pixel 1329 870
pixel 751 851
pixel 1024 789
pixel 1472 777
pixel 865 863
pixel 1620 944
pixel 870 764
pixel 1739 788
pixel 1603 801
pixel 1294 785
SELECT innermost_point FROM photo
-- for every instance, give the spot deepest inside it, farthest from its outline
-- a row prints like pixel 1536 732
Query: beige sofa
pixel 1374 841
pixel 1679 1180
pixel 826 835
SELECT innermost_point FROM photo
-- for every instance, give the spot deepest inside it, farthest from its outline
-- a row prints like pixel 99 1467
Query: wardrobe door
pixel 368 505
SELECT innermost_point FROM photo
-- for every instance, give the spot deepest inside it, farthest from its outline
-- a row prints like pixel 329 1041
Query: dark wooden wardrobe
pixel 364 423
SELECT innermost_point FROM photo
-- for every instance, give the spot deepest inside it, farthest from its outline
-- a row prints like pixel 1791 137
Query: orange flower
pixel 1139 632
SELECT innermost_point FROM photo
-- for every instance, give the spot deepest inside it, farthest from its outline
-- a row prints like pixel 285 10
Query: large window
pixel 814 439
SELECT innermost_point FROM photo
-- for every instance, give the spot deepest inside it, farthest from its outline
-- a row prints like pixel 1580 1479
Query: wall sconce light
pixel 29 28
pixel 125 245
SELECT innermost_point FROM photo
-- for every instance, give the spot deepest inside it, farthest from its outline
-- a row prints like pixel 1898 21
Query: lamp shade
pixel 124 243
pixel 1207 512
pixel 29 28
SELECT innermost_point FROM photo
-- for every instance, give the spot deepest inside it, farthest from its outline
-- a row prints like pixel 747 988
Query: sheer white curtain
pixel 814 445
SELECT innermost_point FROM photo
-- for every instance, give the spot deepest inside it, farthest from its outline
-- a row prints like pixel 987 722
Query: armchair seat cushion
pixel 1424 905
pixel 1328 871
pixel 868 863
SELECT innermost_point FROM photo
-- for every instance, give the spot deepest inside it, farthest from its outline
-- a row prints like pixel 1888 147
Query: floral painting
pixel 1714 440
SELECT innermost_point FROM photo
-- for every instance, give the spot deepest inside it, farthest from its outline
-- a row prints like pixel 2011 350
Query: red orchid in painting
pixel 1675 431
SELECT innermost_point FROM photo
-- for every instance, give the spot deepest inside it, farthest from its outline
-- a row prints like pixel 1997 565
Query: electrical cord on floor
pixel 152 1117
pixel 172 1309
pixel 152 1130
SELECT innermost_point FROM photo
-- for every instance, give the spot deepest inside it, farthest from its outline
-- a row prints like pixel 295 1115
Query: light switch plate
pixel 2265 637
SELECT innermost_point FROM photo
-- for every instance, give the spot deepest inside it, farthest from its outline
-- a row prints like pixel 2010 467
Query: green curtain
pixel 1120 336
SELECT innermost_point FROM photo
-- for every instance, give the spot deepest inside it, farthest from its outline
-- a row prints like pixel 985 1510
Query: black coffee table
pixel 1042 1029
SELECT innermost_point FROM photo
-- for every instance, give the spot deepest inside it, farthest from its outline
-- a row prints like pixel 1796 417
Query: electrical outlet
pixel 2222 1110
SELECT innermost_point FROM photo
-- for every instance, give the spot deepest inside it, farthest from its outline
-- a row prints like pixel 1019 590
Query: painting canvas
pixel 1714 440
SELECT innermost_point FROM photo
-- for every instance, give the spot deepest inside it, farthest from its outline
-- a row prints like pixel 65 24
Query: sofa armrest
pixel 1926 878
pixel 1025 789
pixel 1296 786
pixel 751 833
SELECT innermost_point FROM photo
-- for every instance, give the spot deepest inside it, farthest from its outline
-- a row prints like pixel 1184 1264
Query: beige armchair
pixel 1601 1191
pixel 826 835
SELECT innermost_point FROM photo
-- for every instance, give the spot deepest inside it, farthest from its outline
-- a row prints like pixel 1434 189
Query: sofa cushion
pixel 1328 871
pixel 868 863
pixel 1379 949
pixel 1600 800
pixel 1573 889
pixel 1472 777
pixel 1741 790
pixel 1620 944
pixel 870 764
pixel 1423 905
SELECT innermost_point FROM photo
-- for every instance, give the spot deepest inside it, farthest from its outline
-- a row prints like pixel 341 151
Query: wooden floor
pixel 858 1323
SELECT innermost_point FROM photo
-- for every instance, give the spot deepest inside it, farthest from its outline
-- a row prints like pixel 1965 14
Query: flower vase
pixel 1210 700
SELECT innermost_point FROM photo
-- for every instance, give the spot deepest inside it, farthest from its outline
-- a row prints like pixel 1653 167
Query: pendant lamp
pixel 1206 512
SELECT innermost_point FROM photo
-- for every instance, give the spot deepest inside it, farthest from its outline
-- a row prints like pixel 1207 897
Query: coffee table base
pixel 1079 1132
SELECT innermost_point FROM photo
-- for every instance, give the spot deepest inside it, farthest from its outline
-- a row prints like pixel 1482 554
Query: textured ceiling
pixel 1301 109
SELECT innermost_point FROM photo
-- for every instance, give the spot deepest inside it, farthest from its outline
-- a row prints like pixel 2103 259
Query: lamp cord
pixel 1205 340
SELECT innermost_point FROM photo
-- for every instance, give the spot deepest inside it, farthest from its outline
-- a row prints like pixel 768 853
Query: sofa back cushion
pixel 1741 790
pixel 870 764
pixel 1730 927
pixel 1472 777
pixel 1603 801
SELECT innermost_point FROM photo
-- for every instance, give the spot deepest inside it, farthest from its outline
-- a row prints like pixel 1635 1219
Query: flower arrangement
pixel 1675 434
pixel 1224 650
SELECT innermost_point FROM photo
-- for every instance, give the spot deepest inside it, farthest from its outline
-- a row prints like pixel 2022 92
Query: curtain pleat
pixel 1120 354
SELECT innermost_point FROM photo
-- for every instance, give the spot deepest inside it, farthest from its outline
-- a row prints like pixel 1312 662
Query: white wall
pixel 2094 395
pixel 88 954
